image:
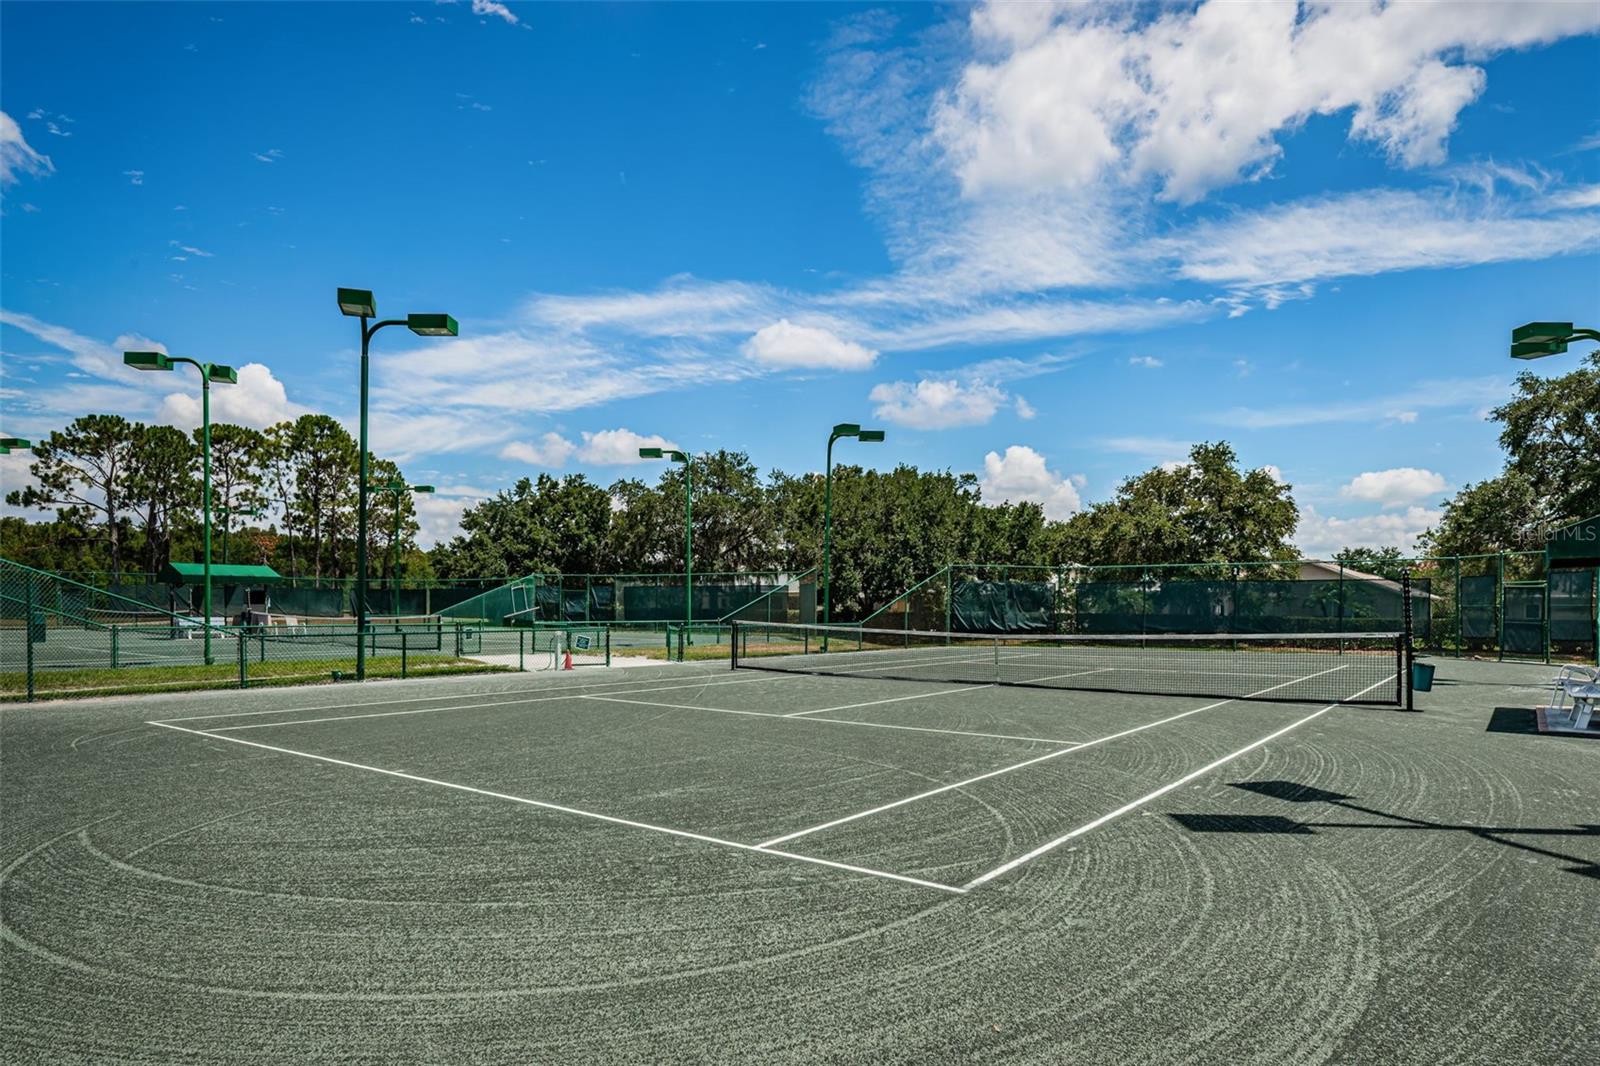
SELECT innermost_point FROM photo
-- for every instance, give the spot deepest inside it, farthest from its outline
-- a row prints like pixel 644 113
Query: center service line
pixel 1034 761
pixel 1158 793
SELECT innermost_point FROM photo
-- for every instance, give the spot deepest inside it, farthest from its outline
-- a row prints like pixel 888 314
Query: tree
pixel 278 482
pixel 1502 514
pixel 238 472
pixel 540 526
pixel 1550 431
pixel 326 467
pixel 162 487
pixel 1205 510
pixel 1384 562
pixel 82 472
pixel 1551 434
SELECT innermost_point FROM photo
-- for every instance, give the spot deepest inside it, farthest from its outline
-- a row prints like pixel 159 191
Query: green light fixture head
pixel 870 436
pixel 14 442
pixel 1537 349
pixel 1538 339
pixel 358 303
pixel 421 488
pixel 846 429
pixel 1542 331
pixel 147 360
pixel 432 325
pixel 227 375
pixel 650 453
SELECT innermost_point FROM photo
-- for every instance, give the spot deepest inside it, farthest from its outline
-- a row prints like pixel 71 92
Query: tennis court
pixel 803 863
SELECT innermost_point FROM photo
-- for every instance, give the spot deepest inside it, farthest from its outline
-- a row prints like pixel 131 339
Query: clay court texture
pixel 695 863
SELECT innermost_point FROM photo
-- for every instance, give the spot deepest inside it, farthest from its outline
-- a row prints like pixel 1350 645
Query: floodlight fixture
pixel 358 303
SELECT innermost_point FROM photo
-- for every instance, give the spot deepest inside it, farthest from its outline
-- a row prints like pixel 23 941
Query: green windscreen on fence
pixel 1572 610
pixel 1480 613
pixel 1249 606
pixel 1002 607
pixel 1523 624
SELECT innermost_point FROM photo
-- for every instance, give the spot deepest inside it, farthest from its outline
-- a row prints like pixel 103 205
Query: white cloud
pixel 188 249
pixel 258 400
pixel 1148 361
pixel 439 513
pixel 1321 536
pixel 492 7
pixel 135 177
pixel 17 156
pixel 1067 97
pixel 1024 409
pixel 1021 476
pixel 936 404
pixel 785 344
pixel 1580 196
pixel 1373 231
pixel 1161 450
pixel 1394 488
pixel 1463 393
pixel 618 447
pixel 271 155
pixel 551 450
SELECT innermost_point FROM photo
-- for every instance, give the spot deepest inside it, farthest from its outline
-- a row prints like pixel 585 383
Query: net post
pixel 997 660
pixel 404 653
pixel 113 647
pixel 733 646
pixel 522 641
pixel 244 662
pixel 1407 649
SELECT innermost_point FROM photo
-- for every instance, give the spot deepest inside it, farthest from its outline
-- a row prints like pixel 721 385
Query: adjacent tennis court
pixel 794 864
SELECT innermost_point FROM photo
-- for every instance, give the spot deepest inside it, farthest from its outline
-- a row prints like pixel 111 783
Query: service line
pixel 1030 762
pixel 762 849
pixel 1157 794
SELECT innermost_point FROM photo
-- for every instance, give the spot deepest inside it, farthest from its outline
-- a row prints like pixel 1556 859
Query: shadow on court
pixel 1293 792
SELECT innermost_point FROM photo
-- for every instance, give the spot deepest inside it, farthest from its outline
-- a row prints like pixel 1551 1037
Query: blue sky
pixel 1050 246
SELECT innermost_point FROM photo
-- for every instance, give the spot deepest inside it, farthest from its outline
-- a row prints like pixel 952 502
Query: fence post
pixel 27 627
pixel 403 653
pixel 522 666
pixel 244 661
pixel 114 633
pixel 1461 637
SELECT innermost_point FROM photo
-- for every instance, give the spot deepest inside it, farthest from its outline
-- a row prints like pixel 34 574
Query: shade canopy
pixel 221 574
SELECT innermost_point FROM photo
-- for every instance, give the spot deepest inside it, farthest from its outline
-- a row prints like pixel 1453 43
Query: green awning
pixel 1574 546
pixel 230 574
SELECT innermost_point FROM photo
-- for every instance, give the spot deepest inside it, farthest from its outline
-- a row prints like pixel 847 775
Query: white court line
pixel 1162 791
pixel 607 685
pixel 892 699
pixel 517 701
pixel 830 721
pixel 759 848
pixel 1007 769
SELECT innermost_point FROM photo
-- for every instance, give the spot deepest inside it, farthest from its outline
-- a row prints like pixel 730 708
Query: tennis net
pixel 1312 667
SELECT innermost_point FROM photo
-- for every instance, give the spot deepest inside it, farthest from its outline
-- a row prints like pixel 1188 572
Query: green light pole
pixel 7 443
pixel 1539 339
pixel 688 524
pixel 358 303
pixel 843 429
pixel 209 372
pixel 227 514
pixel 397 489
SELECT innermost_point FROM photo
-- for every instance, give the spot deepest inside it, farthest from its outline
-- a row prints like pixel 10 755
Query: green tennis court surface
pixel 696 863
